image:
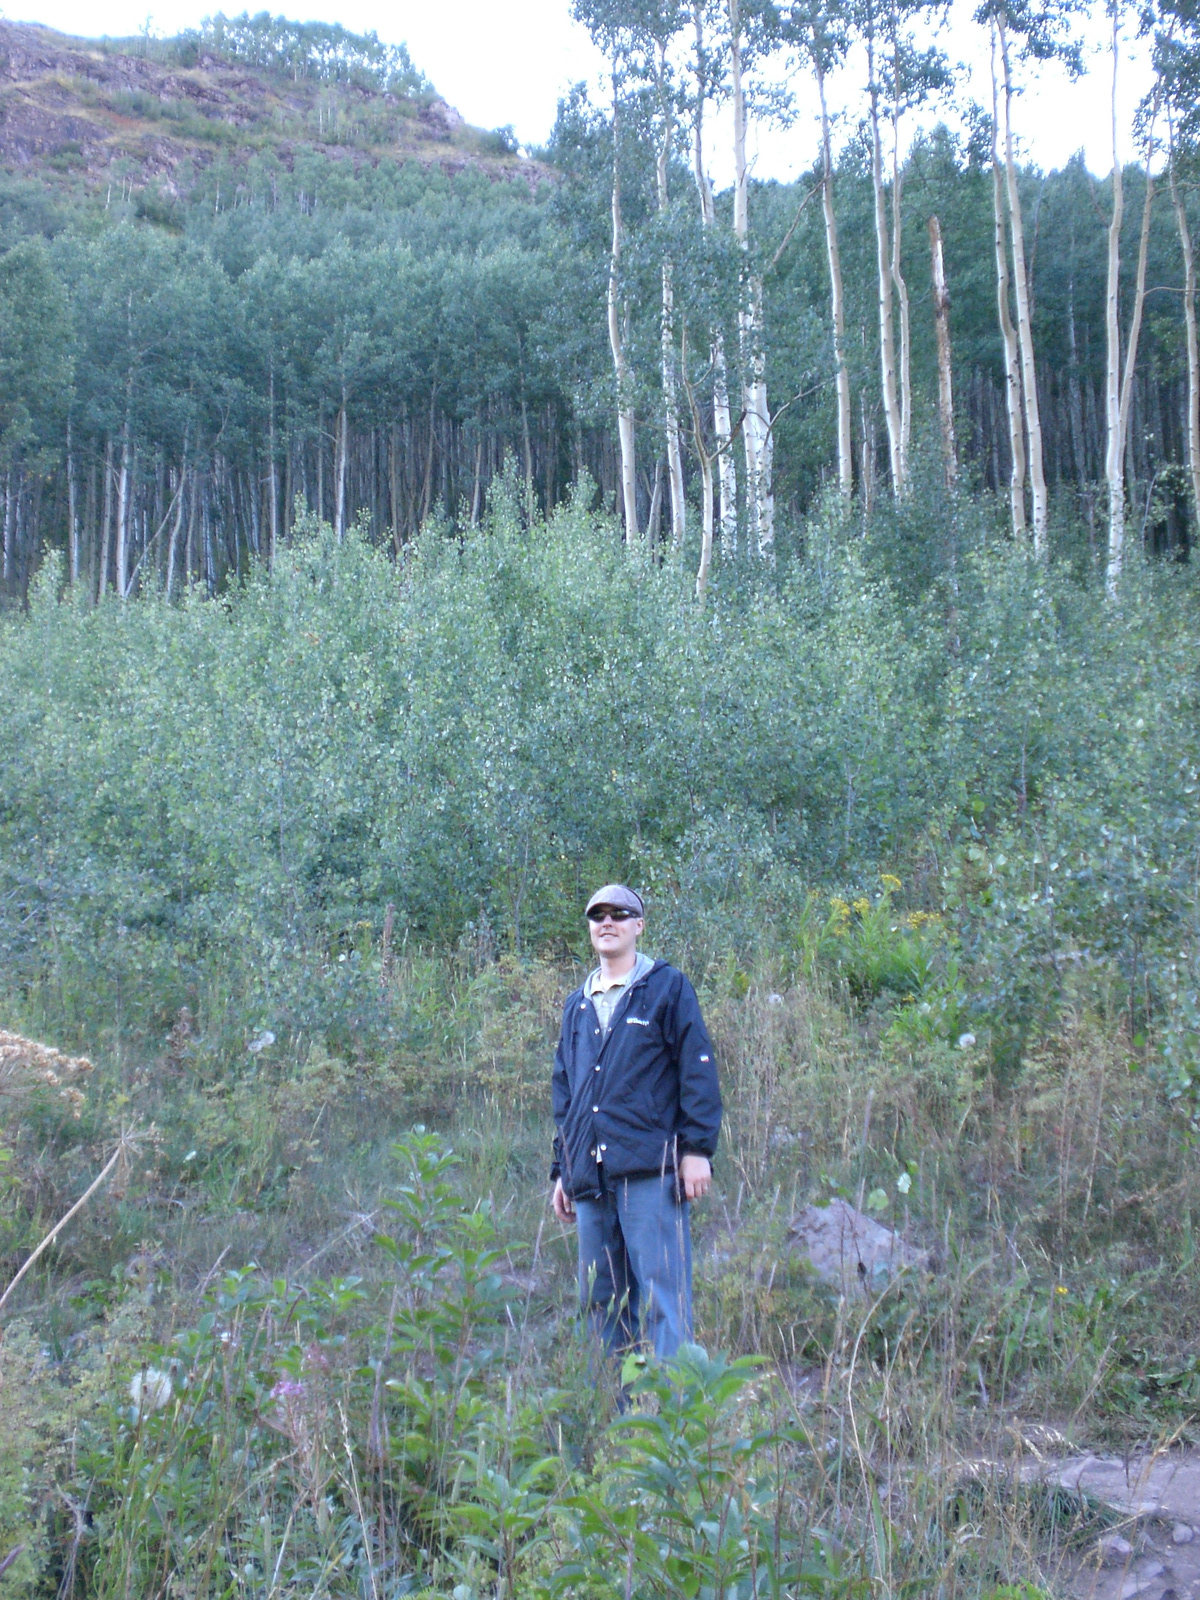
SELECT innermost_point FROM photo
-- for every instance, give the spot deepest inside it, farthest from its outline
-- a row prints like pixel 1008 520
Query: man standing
pixel 637 1112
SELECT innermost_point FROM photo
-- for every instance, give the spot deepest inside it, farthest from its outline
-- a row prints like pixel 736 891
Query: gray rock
pixel 1183 1533
pixel 1141 1578
pixel 851 1251
pixel 1113 1551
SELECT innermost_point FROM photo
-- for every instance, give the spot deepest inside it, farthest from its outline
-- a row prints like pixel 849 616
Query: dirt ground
pixel 1152 1549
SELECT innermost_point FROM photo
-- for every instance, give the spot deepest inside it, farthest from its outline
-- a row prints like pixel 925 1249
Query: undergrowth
pixel 311 1347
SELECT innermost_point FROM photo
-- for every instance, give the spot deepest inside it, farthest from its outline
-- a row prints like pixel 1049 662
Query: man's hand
pixel 564 1206
pixel 695 1174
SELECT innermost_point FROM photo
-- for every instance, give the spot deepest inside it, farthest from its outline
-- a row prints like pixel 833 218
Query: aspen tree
pixel 883 269
pixel 1013 398
pixel 1192 346
pixel 819 33
pixel 1118 384
pixel 722 422
pixel 756 424
pixel 941 313
pixel 626 429
pixel 1039 35
pixel 1033 420
pixel 663 95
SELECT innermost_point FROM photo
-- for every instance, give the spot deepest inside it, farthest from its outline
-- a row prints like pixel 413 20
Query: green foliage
pixel 325 51
pixel 214 806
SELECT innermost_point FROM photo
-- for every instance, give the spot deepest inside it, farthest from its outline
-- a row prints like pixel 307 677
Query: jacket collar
pixel 643 964
pixel 639 977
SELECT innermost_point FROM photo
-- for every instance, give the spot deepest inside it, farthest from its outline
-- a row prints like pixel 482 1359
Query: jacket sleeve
pixel 699 1093
pixel 560 1096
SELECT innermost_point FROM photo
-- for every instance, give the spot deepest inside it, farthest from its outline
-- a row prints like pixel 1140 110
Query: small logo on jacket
pixel 637 1022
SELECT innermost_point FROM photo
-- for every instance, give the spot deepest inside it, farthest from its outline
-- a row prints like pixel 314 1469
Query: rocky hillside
pixel 95 114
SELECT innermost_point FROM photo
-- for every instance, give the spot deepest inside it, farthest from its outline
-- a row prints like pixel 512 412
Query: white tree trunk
pixel 1189 323
pixel 941 316
pixel 1033 420
pixel 1114 452
pixel 123 511
pixel 722 422
pixel 274 478
pixel 756 416
pixel 106 521
pixel 173 545
pixel 837 298
pixel 884 289
pixel 704 456
pixel 72 510
pixel 905 361
pixel 339 503
pixel 1116 545
pixel 667 328
pixel 626 433
pixel 1014 402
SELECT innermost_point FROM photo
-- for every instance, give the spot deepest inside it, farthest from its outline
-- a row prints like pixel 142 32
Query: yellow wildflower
pixel 839 908
pixel 890 882
pixel 862 905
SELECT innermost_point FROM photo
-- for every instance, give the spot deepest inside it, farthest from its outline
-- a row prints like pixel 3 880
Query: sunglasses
pixel 617 913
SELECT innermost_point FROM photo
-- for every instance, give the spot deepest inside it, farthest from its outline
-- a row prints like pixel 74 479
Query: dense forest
pixel 186 363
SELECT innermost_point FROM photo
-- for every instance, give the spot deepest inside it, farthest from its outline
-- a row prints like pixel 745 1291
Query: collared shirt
pixel 606 995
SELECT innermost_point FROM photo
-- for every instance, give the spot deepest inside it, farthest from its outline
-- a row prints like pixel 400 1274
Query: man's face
pixel 613 939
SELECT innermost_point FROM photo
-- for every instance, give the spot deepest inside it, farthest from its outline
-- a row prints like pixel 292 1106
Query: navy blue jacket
pixel 645 1097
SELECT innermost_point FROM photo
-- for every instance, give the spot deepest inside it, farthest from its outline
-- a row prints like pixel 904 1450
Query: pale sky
pixel 509 64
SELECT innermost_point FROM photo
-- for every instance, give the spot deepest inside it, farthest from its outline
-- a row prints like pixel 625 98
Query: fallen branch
pixel 125 1145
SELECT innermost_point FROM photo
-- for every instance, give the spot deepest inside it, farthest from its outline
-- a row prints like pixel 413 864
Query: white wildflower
pixel 150 1390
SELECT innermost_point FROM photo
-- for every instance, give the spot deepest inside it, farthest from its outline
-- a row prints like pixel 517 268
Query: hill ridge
pixel 83 113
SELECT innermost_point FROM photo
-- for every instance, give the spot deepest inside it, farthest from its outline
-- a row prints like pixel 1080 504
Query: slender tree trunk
pixel 320 460
pixel 1114 453
pixel 1074 393
pixel 527 449
pixel 106 527
pixel 123 499
pixel 706 525
pixel 173 542
pixel 10 523
pixel 756 416
pixel 885 289
pixel 1014 400
pixel 722 421
pixel 427 488
pixel 91 515
pixel 625 417
pixel 1033 420
pixel 339 515
pixel 667 324
pixel 189 555
pixel 274 474
pixel 704 457
pixel 941 313
pixel 1189 322
pixel 1124 400
pixel 905 360
pixel 654 519
pixel 72 509
pixel 476 482
pixel 838 306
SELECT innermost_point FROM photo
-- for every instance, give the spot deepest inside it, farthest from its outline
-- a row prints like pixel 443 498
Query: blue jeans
pixel 635 1264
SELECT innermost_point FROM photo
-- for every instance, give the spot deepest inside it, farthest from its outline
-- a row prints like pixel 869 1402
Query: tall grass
pixel 397 1392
